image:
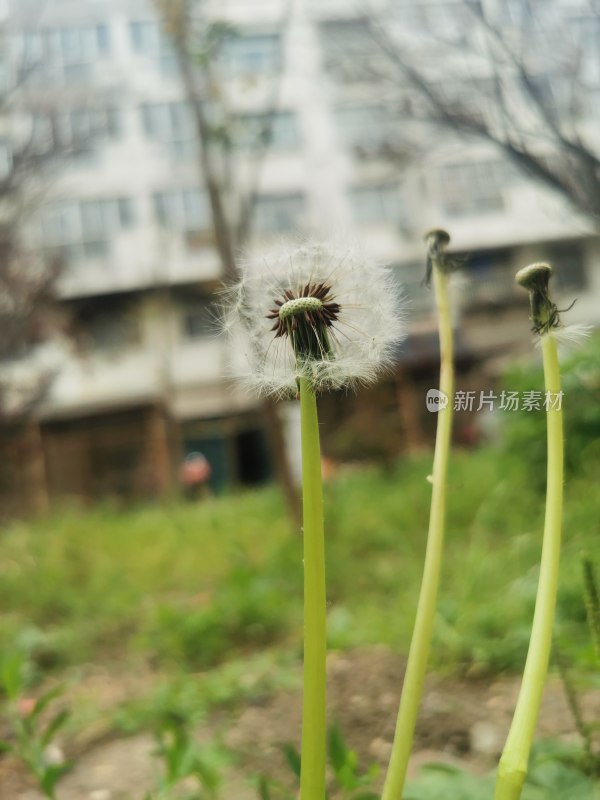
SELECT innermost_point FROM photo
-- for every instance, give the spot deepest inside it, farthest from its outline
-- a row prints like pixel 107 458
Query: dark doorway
pixel 218 452
pixel 254 465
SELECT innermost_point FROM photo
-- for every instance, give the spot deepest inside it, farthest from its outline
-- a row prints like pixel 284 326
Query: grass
pixel 195 585
pixel 192 696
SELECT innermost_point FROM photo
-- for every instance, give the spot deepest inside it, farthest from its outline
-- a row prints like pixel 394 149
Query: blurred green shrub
pixel 248 609
pixel 347 779
pixel 556 772
pixel 189 771
pixel 33 725
pixel 524 432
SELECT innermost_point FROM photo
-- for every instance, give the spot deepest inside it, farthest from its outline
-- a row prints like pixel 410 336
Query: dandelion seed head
pixel 319 311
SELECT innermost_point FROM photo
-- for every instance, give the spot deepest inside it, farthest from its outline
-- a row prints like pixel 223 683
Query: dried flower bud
pixel 437 241
pixel 536 279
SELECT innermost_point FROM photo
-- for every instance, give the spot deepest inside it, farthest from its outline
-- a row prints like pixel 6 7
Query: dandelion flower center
pixel 299 305
pixel 304 316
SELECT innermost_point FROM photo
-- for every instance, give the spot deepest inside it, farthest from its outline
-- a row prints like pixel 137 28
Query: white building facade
pixel 128 214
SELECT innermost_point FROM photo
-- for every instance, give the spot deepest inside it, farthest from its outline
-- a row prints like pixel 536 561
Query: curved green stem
pixel 416 667
pixel 312 775
pixel 512 769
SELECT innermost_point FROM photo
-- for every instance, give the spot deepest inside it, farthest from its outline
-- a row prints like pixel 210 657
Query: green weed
pixel 33 726
pixel 556 772
pixel 196 584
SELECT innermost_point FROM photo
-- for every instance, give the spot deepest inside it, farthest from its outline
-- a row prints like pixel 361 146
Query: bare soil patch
pixel 461 721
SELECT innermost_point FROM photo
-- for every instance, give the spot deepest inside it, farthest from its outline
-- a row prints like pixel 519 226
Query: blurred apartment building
pixel 140 380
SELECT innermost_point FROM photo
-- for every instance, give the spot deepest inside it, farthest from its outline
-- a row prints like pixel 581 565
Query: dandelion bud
pixel 437 238
pixel 437 241
pixel 536 279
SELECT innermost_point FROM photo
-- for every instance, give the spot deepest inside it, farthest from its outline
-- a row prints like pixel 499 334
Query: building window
pixel 448 17
pixel 470 97
pixel 365 125
pixel 408 280
pixel 126 214
pixel 43 135
pixel 78 129
pixel 490 282
pixel 183 210
pixel 274 131
pixel 377 204
pixel 71 51
pixel 77 47
pixel 251 54
pixel 4 75
pixel 588 104
pixel 348 46
pixel 198 319
pixel 82 123
pixel 348 35
pixel 554 91
pixel 472 188
pixel 105 216
pixel 278 213
pixel 84 228
pixel 147 39
pixel 5 159
pixel 570 275
pixel 172 125
pixel 326 9
pixel 513 12
pixel 110 327
pixel 29 47
pixel 586 32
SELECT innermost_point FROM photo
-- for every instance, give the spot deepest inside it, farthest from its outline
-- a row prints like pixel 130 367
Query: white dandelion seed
pixel 317 311
pixel 569 335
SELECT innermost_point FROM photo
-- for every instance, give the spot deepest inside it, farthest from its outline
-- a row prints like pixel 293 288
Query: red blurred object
pixel 26 706
pixel 195 470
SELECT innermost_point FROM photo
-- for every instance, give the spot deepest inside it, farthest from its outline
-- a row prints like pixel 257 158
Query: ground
pixel 463 721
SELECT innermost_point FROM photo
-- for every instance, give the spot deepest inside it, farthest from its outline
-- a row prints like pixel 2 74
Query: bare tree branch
pixel 27 279
pixel 196 71
pixel 516 114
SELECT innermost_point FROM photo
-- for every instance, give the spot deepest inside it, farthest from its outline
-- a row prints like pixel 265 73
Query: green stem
pixel 592 602
pixel 512 769
pixel 312 776
pixel 416 666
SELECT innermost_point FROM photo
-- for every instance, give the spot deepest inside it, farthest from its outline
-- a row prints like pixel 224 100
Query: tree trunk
pixel 280 459
pixel 225 230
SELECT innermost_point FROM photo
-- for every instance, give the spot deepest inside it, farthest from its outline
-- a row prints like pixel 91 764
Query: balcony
pixel 97 383
pixel 135 375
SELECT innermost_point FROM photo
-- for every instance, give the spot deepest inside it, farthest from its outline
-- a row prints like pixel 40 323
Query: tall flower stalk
pixel 305 322
pixel 439 265
pixel 314 726
pixel 512 769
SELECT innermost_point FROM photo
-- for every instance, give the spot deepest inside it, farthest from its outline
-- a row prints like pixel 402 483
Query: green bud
pixel 536 279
